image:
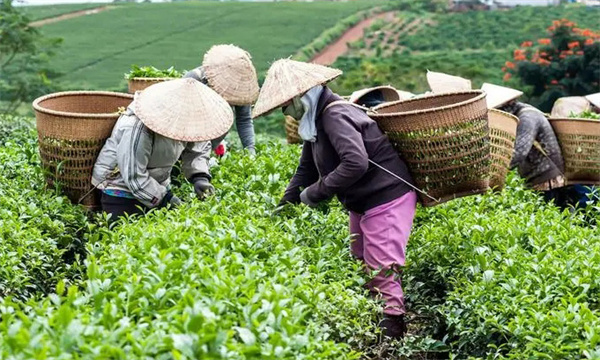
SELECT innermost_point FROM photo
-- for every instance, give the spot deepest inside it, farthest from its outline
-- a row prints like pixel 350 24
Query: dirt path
pixel 328 55
pixel 70 15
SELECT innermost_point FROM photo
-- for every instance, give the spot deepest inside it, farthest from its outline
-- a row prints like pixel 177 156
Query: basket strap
pixel 345 102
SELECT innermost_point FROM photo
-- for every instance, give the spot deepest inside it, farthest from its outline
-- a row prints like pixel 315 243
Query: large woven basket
pixel 291 130
pixel 444 140
pixel 72 128
pixel 139 84
pixel 503 132
pixel 579 141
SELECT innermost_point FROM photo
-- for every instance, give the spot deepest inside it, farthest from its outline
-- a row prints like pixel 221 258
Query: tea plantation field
pixel 502 275
pixel 98 49
pixel 473 44
pixel 48 11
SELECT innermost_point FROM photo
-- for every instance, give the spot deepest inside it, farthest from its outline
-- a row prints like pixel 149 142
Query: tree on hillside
pixel 565 64
pixel 24 54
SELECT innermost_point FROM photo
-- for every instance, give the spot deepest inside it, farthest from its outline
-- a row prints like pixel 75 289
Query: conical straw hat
pixel 405 95
pixel 564 106
pixel 444 83
pixel 184 109
pixel 230 72
pixel 288 78
pixel 499 95
pixel 594 99
pixel 389 94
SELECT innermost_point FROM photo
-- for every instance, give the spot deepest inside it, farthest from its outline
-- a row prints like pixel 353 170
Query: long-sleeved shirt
pixel 532 164
pixel 144 160
pixel 243 118
pixel 337 163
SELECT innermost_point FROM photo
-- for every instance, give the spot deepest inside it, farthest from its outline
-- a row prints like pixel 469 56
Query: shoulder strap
pixel 345 102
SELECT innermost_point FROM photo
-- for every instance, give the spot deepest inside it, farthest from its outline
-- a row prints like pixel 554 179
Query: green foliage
pixel 152 72
pixel 588 114
pixel 24 55
pixel 40 236
pixel 566 64
pixel 502 275
pixel 178 34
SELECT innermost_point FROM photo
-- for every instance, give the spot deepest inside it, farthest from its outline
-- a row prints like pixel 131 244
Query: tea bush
pixel 502 275
pixel 40 232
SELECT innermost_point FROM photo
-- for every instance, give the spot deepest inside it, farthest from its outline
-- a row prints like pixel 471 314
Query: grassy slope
pixel 472 44
pixel 102 47
pixel 48 11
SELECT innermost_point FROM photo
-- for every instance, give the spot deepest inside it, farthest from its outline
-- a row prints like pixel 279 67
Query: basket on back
pixel 72 128
pixel 291 130
pixel 503 133
pixel 579 141
pixel 140 83
pixel 444 140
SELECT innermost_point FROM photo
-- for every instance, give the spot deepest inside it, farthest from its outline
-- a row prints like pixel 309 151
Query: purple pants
pixel 380 236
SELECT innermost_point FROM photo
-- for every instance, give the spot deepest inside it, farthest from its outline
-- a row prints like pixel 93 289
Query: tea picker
pixel 537 155
pixel 165 121
pixel 340 145
pixel 229 71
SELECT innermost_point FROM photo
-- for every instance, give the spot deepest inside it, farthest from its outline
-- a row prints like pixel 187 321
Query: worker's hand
pixel 203 187
pixel 170 200
pixel 305 200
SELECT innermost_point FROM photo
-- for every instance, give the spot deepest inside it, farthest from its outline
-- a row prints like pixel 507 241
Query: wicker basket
pixel 72 128
pixel 503 132
pixel 291 130
pixel 444 140
pixel 139 84
pixel 579 141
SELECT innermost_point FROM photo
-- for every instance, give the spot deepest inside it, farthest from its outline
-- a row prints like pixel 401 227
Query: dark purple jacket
pixel 337 162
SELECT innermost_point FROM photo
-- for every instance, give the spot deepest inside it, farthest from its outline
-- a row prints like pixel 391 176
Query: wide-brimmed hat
pixel 184 109
pixel 288 78
pixel 564 106
pixel 230 72
pixel 499 95
pixel 388 92
pixel 594 99
pixel 444 83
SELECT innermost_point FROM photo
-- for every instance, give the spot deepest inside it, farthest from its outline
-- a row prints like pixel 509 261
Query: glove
pixel 305 200
pixel 203 187
pixel 170 200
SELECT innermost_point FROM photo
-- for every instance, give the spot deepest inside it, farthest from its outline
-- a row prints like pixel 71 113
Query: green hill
pixel 98 49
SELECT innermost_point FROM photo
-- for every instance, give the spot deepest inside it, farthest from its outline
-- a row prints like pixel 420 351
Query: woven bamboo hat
pixel 230 72
pixel 184 109
pixel 594 99
pixel 499 95
pixel 564 106
pixel 389 94
pixel 288 78
pixel 444 83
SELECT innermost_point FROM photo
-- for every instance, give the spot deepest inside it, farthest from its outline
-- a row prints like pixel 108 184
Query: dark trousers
pixel 119 206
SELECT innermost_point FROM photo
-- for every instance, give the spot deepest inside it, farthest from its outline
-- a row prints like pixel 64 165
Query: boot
pixel 393 326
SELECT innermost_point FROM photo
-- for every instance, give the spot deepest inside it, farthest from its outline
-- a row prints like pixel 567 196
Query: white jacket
pixel 145 159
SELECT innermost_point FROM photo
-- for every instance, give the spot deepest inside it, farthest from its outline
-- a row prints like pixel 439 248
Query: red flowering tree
pixel 565 64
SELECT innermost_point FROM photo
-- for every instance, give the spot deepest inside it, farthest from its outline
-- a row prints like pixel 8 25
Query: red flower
pixel 573 44
pixel 544 41
pixel 527 44
pixel 507 77
pixel 579 52
pixel 504 69
pixel 589 41
pixel 510 65
pixel 554 82
pixel 220 150
pixel 543 62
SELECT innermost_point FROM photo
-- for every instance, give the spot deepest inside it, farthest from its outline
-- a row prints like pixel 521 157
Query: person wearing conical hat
pixel 229 71
pixel 339 143
pixel 166 121
pixel 575 105
pixel 371 97
pixel 542 168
